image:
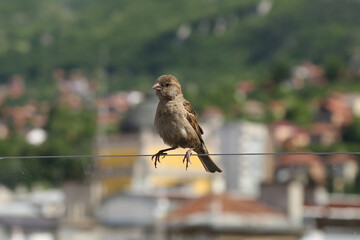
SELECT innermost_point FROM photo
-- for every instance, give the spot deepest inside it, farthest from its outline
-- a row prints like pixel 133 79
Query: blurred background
pixel 264 75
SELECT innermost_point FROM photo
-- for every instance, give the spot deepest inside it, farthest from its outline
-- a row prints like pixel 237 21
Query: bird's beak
pixel 157 86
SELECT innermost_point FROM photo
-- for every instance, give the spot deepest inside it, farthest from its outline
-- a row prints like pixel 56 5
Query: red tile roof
pixel 340 159
pixel 299 160
pixel 313 163
pixel 224 203
pixel 338 106
pixel 321 128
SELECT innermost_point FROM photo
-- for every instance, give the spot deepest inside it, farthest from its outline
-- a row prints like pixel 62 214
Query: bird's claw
pixel 187 158
pixel 157 157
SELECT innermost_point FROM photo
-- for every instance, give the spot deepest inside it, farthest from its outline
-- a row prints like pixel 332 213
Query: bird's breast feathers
pixel 172 125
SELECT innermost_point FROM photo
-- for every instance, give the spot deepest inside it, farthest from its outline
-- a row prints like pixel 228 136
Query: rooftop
pixel 226 210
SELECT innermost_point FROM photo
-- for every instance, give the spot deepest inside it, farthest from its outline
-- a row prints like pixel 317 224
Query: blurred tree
pixel 223 38
pixel 71 132
pixel 280 71
pixel 356 185
pixel 334 68
pixel 351 133
pixel 299 111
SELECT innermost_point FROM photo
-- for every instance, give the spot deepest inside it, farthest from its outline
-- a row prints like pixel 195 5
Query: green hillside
pixel 208 44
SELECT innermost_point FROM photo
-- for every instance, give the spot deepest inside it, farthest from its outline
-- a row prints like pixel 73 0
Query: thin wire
pixel 176 155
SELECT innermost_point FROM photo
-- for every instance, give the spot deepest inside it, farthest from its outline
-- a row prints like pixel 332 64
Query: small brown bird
pixel 176 123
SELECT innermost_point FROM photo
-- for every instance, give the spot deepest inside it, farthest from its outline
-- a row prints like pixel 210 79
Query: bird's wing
pixel 191 117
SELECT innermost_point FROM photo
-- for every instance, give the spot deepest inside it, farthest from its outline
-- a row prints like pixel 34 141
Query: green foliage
pixel 70 132
pixel 135 41
pixel 334 68
pixel 351 133
pixel 15 171
pixel 280 71
pixel 69 127
pixel 356 185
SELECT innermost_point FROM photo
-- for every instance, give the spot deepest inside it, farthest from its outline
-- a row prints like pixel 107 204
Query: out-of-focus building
pixel 243 89
pixel 286 197
pixel 341 171
pixel 245 173
pixel 30 215
pixel 336 218
pixel 276 214
pixel 132 216
pixel 288 135
pixel 306 74
pixel 253 109
pixel 228 216
pixel 115 174
pixel 304 168
pixel 335 110
pixel 353 101
pixel 323 133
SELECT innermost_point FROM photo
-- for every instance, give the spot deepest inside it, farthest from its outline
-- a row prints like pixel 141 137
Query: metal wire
pixel 176 155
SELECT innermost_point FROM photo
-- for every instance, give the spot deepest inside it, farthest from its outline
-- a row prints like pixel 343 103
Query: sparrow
pixel 175 121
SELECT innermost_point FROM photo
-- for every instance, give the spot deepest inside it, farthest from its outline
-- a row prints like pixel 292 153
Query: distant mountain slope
pixel 204 42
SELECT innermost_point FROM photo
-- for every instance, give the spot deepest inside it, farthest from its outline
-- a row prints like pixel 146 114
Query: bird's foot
pixel 159 154
pixel 157 157
pixel 187 158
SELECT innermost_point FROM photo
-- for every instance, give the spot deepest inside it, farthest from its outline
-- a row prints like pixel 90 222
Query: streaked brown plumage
pixel 176 123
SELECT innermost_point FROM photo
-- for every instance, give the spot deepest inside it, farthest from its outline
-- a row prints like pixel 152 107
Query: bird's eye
pixel 167 84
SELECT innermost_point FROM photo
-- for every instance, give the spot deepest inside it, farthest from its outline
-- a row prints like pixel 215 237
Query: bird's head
pixel 167 87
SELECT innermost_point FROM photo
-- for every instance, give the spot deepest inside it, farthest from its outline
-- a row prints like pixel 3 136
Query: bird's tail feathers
pixel 207 162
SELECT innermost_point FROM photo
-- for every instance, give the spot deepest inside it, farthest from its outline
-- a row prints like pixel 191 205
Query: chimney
pixel 287 197
pixel 295 203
